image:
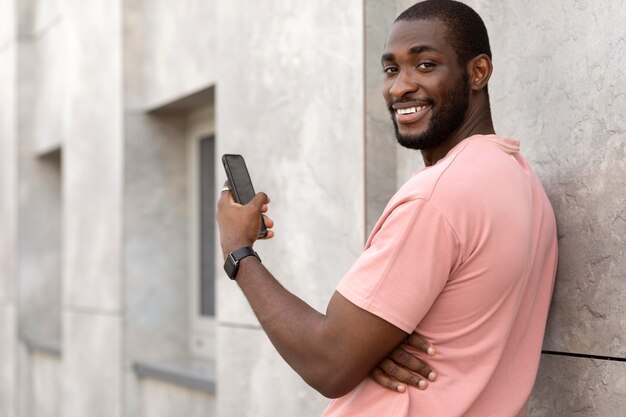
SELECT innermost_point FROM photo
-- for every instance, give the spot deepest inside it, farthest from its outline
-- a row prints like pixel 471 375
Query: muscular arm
pixel 333 352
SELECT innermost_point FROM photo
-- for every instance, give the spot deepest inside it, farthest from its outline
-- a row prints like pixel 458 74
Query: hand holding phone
pixel 240 183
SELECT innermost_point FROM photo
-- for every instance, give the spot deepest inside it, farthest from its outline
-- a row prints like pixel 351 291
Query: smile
pixel 413 114
pixel 411 110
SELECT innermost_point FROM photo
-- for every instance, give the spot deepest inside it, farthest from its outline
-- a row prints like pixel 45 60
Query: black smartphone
pixel 240 183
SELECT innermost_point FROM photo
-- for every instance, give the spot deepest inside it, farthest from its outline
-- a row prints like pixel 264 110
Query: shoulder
pixel 423 184
pixel 477 169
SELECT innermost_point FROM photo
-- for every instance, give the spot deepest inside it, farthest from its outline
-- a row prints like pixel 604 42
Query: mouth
pixel 407 115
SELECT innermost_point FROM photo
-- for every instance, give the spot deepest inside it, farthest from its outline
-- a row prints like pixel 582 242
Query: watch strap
pixel 231 265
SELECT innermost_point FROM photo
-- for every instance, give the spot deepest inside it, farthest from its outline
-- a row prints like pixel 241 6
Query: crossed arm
pixel 332 352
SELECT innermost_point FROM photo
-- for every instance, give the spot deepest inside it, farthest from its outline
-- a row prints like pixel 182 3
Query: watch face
pixel 230 266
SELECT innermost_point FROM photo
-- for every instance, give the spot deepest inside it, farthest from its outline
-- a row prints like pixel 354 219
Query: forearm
pixel 332 352
pixel 298 331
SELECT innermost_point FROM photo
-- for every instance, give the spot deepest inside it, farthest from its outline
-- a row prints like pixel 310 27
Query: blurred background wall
pixel 113 117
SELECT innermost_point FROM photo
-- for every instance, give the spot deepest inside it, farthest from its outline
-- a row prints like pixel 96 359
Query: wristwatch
pixel 231 265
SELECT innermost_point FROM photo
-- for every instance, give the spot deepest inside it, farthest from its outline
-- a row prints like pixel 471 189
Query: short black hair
pixel 466 30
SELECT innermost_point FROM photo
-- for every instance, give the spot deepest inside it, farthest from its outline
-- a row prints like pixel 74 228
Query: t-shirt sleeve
pixel 405 265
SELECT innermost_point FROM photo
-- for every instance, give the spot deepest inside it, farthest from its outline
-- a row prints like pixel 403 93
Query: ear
pixel 479 70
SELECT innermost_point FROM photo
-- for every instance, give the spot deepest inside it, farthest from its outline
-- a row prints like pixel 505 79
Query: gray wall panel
pixel 92 183
pixel 91 365
pixel 559 87
pixel 269 389
pixel 170 50
pixel 92 212
pixel 577 387
pixel 8 209
pixel 290 100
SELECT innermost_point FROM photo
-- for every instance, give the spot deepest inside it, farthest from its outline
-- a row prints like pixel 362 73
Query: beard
pixel 444 121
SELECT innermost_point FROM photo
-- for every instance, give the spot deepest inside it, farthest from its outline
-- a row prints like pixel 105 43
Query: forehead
pixel 406 34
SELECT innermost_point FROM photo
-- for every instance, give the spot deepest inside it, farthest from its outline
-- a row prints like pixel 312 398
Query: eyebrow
pixel 414 50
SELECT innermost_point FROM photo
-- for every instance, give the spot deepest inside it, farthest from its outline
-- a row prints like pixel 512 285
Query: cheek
pixel 386 94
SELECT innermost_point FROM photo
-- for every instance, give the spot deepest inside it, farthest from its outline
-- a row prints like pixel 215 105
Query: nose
pixel 402 84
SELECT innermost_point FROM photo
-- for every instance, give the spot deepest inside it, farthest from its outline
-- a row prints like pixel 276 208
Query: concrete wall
pixel 8 207
pixel 559 87
pixel 92 211
pixel 169 60
pixel 44 377
pixel 41 110
pixel 95 105
pixel 162 399
pixel 290 99
pixel 172 53
pixel 383 155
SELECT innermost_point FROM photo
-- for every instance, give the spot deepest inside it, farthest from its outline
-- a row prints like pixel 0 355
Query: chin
pixel 418 140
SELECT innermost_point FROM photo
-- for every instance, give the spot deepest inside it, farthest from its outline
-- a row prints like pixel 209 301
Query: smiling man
pixel 464 253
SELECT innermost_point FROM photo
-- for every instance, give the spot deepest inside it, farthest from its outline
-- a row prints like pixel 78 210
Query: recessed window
pixel 203 253
pixel 206 209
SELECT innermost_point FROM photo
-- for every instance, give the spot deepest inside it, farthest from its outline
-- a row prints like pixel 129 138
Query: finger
pixel 402 374
pixel 265 208
pixel 382 379
pixel 269 223
pixel 226 198
pixel 417 341
pixel 410 362
pixel 259 200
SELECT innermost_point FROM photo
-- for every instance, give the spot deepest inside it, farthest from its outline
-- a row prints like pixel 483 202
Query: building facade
pixel 113 117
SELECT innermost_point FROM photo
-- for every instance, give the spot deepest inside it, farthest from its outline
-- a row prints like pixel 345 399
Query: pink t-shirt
pixel 465 253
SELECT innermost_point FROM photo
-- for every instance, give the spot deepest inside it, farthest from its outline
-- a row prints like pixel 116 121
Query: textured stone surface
pixel 292 103
pixel 8 14
pixel 577 387
pixel 8 353
pixel 46 14
pixel 160 399
pixel 170 49
pixel 8 209
pixel 559 86
pixel 380 144
pixel 92 155
pixel 8 174
pixel 92 212
pixel 290 96
pixel 269 387
pixel 47 110
pixel 45 385
pixel 38 16
pixel 383 156
pixel 156 239
pixel 91 371
pixel 303 145
pixel 168 53
pixel 40 128
pixel 40 245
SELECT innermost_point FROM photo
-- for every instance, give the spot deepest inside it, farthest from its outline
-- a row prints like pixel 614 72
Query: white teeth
pixel 410 110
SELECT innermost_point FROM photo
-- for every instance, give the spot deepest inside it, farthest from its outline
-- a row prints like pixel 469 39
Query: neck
pixel 476 123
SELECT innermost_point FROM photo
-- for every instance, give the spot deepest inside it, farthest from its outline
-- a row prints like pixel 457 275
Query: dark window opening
pixel 207 225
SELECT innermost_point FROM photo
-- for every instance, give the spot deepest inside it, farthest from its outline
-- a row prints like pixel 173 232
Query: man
pixel 464 253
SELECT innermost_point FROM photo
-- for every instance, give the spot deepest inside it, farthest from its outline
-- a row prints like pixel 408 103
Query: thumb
pixel 259 200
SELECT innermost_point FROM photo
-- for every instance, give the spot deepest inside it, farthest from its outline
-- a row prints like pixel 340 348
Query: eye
pixel 426 66
pixel 390 69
